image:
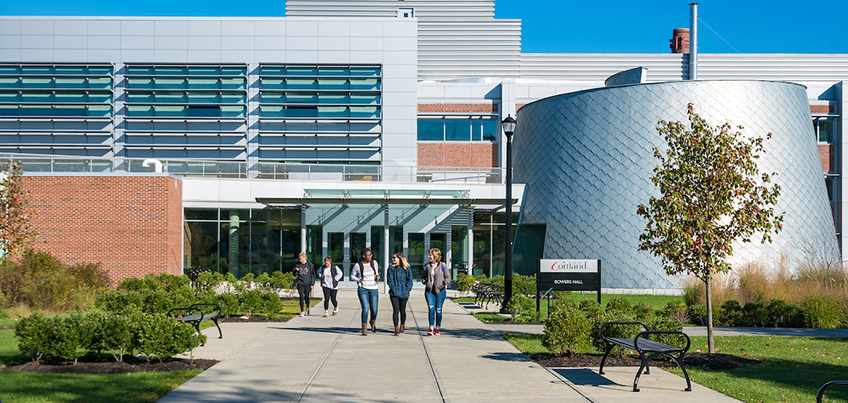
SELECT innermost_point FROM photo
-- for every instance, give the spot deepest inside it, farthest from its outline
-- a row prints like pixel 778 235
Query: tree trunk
pixel 710 345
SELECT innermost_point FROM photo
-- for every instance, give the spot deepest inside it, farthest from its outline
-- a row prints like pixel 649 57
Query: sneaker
pixel 307 311
pixel 326 314
pixel 302 314
pixel 437 332
pixel 335 312
pixel 430 332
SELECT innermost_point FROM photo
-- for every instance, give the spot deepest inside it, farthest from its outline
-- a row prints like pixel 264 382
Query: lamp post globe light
pixel 509 129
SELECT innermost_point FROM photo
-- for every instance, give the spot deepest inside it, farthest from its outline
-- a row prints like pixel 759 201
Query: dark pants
pixel 303 290
pixel 330 294
pixel 399 309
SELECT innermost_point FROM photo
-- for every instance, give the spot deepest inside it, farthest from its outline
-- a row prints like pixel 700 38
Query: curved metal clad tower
pixel 586 159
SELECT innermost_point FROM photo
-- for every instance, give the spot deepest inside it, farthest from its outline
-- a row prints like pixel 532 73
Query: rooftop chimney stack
pixel 693 41
pixel 680 41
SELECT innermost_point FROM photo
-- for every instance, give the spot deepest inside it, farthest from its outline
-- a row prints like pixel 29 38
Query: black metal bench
pixel 487 292
pixel 647 349
pixel 197 315
pixel 827 386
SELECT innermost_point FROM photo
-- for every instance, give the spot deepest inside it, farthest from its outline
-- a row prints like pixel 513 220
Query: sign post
pixel 568 275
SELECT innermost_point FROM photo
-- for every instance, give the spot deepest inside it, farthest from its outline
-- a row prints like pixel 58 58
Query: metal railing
pixel 35 163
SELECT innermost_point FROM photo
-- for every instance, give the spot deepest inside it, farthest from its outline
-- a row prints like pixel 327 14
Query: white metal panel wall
pixel 453 49
pixel 599 66
pixel 425 9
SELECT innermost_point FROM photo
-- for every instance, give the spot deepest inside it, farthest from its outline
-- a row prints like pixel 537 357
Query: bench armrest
pixel 189 309
pixel 207 304
pixel 648 333
pixel 644 326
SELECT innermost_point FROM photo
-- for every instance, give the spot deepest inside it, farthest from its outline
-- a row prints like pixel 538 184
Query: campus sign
pixel 568 275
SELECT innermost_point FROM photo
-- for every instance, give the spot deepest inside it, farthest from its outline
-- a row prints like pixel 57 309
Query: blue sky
pixel 555 26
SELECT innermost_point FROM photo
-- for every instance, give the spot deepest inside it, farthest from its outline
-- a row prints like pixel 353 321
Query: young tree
pixel 16 232
pixel 711 195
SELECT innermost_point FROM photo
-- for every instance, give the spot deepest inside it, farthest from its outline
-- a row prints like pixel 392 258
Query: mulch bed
pixel 106 365
pixel 716 361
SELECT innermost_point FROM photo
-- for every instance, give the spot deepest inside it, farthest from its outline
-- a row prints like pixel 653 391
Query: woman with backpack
pixel 305 273
pixel 436 280
pixel 366 273
pixel 330 276
pixel 399 280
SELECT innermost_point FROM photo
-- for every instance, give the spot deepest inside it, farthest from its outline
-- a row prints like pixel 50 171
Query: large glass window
pixel 452 128
pixel 416 255
pixel 824 128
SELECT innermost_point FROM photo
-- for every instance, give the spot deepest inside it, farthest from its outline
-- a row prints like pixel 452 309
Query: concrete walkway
pixel 326 359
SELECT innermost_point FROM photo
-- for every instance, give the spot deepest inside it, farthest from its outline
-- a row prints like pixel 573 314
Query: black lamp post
pixel 509 129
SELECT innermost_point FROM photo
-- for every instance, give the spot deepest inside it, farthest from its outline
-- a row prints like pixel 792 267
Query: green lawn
pixel 793 370
pixel 31 387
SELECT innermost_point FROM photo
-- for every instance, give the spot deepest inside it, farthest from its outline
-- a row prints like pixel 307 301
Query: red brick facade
pixel 826 153
pixel 488 108
pixel 471 155
pixel 822 109
pixel 131 225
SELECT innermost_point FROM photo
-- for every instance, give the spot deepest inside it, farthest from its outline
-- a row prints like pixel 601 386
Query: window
pixel 824 130
pixel 449 128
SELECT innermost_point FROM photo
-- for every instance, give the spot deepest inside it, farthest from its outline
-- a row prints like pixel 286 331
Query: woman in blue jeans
pixel 366 273
pixel 436 280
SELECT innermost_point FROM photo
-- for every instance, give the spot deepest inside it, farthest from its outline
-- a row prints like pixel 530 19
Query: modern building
pixel 371 124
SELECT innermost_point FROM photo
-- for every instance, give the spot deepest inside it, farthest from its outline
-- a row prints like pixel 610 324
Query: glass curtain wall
pixel 489 234
pixel 241 241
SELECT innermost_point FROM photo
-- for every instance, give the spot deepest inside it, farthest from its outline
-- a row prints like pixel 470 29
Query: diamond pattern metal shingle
pixel 586 159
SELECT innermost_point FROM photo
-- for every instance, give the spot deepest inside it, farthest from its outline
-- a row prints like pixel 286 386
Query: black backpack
pixel 362 269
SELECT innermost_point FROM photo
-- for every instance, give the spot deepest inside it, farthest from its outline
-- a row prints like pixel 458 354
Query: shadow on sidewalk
pixel 512 357
pixel 583 377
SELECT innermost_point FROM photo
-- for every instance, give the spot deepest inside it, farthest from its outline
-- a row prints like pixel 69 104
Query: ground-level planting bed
pixel 771 369
pixel 107 365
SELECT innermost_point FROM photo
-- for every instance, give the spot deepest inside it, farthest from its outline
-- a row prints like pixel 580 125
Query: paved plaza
pixel 310 359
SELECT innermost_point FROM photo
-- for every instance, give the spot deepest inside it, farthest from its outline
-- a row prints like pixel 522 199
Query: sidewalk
pixel 326 359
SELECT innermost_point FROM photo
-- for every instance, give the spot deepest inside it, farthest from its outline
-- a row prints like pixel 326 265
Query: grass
pixel 793 370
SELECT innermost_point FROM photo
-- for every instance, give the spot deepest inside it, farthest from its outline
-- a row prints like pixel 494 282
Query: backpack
pixel 444 272
pixel 333 271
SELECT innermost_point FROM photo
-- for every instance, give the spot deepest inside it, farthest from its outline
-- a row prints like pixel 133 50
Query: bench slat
pixel 645 344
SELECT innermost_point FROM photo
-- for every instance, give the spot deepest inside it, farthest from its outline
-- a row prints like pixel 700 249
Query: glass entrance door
pixel 335 248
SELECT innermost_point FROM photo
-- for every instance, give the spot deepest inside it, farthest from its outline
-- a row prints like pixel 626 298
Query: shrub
pixel 566 328
pixel 730 314
pixel 754 314
pixel 823 311
pixel 620 304
pixel 525 285
pixel 33 334
pixel 697 314
pixel 782 314
pixel 662 323
pixel 281 280
pixel 642 311
pixel 676 310
pixel 591 308
pixel 521 305
pixel 464 282
pixel 40 281
pixel 160 336
pixel 118 301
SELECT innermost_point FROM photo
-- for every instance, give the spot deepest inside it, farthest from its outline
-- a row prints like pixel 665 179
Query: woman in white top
pixel 366 273
pixel 330 276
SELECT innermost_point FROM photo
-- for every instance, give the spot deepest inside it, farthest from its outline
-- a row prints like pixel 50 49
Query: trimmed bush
pixel 521 305
pixel 697 314
pixel 566 328
pixel 730 314
pixel 619 304
pixel 69 338
pixel 525 285
pixel 782 314
pixel 464 282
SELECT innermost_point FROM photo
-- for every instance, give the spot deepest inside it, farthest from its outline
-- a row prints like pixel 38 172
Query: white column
pixel 470 255
pixel 303 230
pixel 386 257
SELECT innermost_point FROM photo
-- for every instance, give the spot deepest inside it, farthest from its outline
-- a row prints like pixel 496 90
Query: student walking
pixel 366 273
pixel 330 276
pixel 399 280
pixel 305 272
pixel 436 280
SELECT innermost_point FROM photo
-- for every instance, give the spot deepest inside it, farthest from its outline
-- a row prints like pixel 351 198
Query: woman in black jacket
pixel 305 273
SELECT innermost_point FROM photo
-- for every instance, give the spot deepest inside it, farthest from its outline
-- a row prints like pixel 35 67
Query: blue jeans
pixel 434 304
pixel 368 300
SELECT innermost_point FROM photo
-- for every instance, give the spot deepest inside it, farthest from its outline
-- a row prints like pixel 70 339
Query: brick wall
pixel 476 155
pixel 826 153
pixel 822 109
pixel 131 225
